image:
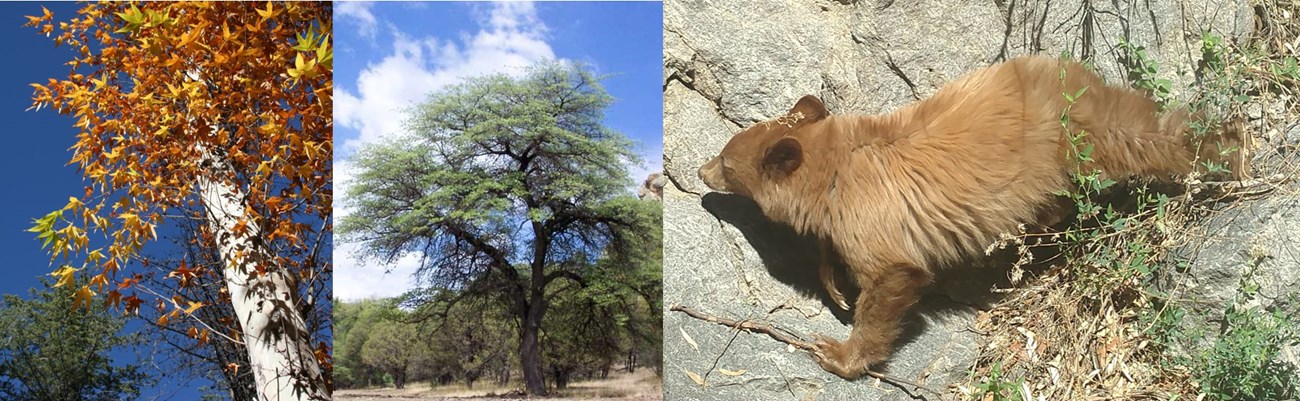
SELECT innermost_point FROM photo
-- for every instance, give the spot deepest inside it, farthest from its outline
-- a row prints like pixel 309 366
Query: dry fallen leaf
pixel 694 377
pixel 688 338
pixel 732 372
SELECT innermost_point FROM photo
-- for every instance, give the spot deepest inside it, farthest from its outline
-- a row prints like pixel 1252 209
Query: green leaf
pixel 45 228
pixel 1105 184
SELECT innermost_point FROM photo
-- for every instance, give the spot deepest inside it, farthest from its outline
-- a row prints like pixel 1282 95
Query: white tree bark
pixel 279 349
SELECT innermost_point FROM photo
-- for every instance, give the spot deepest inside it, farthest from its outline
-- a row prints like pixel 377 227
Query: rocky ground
pixel 731 64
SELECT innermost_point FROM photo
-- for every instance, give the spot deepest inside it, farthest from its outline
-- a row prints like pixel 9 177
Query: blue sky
pixel 389 55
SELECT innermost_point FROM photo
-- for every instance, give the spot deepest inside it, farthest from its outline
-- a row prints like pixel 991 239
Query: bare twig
pixel 787 337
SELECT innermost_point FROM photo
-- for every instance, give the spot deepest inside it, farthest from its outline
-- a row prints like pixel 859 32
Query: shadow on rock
pixel 790 257
pixel 793 258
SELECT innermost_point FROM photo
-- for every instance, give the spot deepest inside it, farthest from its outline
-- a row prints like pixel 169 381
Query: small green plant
pixel 1089 183
pixel 1245 362
pixel 995 387
pixel 1286 68
pixel 1144 72
pixel 1164 324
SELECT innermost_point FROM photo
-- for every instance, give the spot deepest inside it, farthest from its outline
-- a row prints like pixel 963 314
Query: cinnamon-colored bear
pixel 899 196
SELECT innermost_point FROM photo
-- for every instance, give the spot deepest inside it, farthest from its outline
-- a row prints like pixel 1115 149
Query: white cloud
pixel 354 280
pixel 358 12
pixel 510 37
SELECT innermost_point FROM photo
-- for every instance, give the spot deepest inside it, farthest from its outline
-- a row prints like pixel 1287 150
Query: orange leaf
pixel 193 307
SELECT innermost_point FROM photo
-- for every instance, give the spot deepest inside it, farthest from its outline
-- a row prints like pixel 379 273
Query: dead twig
pixel 1240 189
pixel 785 336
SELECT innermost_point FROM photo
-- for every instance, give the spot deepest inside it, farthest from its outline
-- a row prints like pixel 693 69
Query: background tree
pixel 226 106
pixel 391 348
pixel 352 329
pixel 615 318
pixel 500 172
pixel 51 351
pixel 468 341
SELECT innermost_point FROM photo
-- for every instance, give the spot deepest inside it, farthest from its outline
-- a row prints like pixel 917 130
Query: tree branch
pixel 787 337
pixel 564 274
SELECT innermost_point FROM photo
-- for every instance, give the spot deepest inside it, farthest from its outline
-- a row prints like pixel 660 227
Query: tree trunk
pixel 534 309
pixel 528 348
pixel 283 362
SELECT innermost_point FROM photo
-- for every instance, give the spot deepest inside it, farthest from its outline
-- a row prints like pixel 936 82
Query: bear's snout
pixel 711 174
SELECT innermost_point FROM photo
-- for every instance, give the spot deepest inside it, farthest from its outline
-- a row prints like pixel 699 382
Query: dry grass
pixel 642 385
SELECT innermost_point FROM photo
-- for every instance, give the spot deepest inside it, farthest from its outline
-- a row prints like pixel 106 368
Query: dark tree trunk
pixel 399 380
pixel 471 376
pixel 534 309
pixel 561 376
pixel 529 352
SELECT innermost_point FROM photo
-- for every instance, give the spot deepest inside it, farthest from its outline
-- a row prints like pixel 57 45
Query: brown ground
pixel 640 386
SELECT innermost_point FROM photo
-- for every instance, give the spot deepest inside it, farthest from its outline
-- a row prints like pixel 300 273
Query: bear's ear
pixel 783 158
pixel 811 107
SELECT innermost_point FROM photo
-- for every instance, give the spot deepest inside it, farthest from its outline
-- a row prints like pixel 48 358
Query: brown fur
pixel 899 196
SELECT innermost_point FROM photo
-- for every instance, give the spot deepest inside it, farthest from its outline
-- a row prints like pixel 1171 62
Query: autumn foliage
pixel 153 85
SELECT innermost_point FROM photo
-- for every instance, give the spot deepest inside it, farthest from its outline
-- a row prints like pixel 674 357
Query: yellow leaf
pixel 82 297
pixel 732 372
pixel 73 202
pixel 268 13
pixel 94 256
pixel 66 274
pixel 193 307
